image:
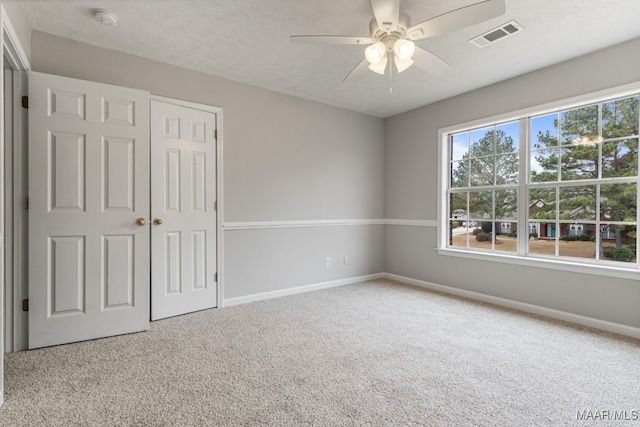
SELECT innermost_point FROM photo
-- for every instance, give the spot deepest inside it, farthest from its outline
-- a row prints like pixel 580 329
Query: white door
pixel 88 185
pixel 183 208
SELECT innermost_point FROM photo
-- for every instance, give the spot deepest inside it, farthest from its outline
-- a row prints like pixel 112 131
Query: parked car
pixel 471 224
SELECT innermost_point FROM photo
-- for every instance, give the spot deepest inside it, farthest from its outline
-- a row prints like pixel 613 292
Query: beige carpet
pixel 376 353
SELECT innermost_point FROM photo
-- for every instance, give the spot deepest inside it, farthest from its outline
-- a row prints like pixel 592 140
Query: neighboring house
pixel 459 214
pixel 546 230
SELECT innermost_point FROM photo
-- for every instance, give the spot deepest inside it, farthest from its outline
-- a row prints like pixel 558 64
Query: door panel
pixel 183 180
pixel 89 182
pixel 118 272
pixel 119 169
pixel 67 258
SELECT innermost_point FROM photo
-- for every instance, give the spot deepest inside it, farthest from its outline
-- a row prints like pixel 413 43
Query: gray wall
pixel 411 154
pixel 290 159
pixel 285 159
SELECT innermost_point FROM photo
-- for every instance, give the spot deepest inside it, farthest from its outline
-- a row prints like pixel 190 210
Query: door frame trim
pixel 219 183
pixel 18 61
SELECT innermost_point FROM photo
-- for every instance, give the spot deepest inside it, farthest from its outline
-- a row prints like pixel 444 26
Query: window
pixel 484 183
pixel 567 178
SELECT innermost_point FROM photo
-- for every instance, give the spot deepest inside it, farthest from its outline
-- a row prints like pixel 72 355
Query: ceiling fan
pixel 392 37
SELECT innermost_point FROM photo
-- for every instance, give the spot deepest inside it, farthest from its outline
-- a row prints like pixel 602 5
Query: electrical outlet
pixel 327 262
pixel 345 259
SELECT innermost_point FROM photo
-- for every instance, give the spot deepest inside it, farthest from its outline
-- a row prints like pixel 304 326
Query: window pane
pixel 483 142
pixel 579 123
pixel 578 203
pixel 458 222
pixel 507 169
pixel 481 240
pixel 506 240
pixel 620 158
pixel 576 241
pixel 506 224
pixel 507 205
pixel 458 210
pixel 544 131
pixel 458 237
pixel 460 174
pixel 459 145
pixel 542 238
pixel 618 202
pixel 544 165
pixel 542 203
pixel 481 205
pixel 579 162
pixel 618 243
pixel 507 137
pixel 482 172
pixel 620 118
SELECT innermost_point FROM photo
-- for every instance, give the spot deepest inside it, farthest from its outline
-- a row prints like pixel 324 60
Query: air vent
pixel 492 36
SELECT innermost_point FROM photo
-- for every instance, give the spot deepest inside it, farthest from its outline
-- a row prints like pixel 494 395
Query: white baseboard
pixel 604 325
pixel 299 289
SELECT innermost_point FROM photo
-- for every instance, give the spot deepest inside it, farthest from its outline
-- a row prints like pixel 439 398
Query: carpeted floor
pixel 376 353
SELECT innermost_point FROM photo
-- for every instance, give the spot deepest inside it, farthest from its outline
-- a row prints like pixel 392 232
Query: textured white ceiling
pixel 248 41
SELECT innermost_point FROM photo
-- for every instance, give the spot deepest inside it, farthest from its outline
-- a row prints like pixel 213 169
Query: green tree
pixel 477 165
pixel 576 161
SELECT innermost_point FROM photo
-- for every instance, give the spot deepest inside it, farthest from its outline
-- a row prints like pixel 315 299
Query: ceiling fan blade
pixel 387 13
pixel 331 40
pixel 429 62
pixel 456 19
pixel 358 71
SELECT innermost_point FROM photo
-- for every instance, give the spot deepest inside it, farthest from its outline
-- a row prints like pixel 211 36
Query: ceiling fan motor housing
pixel 389 38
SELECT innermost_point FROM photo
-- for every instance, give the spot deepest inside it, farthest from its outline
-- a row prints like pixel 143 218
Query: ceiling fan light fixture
pixel 404 49
pixel 379 67
pixel 392 35
pixel 402 64
pixel 375 53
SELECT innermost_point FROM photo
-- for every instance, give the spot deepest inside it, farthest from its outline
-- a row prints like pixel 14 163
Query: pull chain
pixel 390 75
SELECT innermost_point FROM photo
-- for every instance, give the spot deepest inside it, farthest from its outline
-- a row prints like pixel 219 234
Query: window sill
pixel 552 264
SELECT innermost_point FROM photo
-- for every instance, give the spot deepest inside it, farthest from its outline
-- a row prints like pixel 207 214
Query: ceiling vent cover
pixel 492 36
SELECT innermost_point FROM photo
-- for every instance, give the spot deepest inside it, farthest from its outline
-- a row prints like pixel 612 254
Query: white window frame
pixel 520 257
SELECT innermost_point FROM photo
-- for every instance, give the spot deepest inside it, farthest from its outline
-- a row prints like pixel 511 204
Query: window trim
pixel 520 257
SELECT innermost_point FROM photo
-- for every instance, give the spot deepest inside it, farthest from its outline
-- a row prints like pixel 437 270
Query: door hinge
pixel 25 102
pixel 25 304
pixel 215 206
pixel 26 203
pixel 215 134
pixel 215 277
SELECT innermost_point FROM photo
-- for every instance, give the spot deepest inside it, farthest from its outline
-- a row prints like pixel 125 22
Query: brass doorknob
pixel 141 221
pixel 157 221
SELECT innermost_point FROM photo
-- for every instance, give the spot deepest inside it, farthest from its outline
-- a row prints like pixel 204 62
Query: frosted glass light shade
pixel 375 52
pixel 380 66
pixel 404 49
pixel 402 65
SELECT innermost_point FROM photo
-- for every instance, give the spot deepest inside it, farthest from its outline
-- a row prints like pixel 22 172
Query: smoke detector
pixel 105 17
